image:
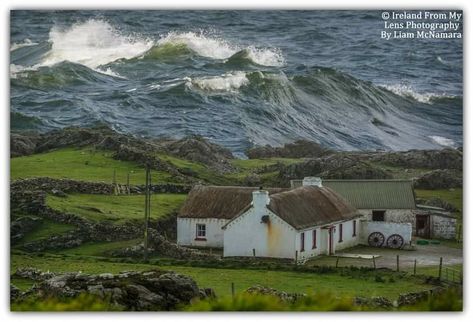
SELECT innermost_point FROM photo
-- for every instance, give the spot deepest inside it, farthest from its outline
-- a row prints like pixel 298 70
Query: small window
pixel 200 231
pixel 378 215
pixel 302 241
pixel 354 228
pixel 340 233
pixel 314 238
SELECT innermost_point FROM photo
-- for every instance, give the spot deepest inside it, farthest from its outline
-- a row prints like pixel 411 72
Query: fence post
pixel 397 263
pixel 336 264
pixel 254 252
pixel 374 263
pixel 128 182
pixel 415 266
pixel 440 268
pixel 233 289
pixel 296 258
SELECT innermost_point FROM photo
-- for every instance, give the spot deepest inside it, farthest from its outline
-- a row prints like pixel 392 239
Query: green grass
pixel 47 228
pixel 115 208
pixel 85 164
pixel 401 172
pixel 455 197
pixel 220 279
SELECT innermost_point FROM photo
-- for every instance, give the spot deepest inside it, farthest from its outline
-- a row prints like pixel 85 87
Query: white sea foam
pixel 26 43
pixel 408 91
pixel 217 48
pixel 227 82
pixel 440 140
pixel 92 43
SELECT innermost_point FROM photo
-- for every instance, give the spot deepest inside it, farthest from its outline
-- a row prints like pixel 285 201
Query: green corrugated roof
pixel 375 194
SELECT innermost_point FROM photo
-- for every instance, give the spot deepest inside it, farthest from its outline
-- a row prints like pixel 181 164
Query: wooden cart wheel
pixel 376 239
pixel 395 241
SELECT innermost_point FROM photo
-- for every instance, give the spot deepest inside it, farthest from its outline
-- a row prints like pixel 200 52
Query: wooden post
pixel 415 266
pixel 254 252
pixel 440 268
pixel 147 210
pixel 374 263
pixel 128 182
pixel 296 258
pixel 233 289
pixel 336 264
pixel 397 263
pixel 114 182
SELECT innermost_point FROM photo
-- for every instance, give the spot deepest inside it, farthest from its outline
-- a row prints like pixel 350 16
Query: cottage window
pixel 354 228
pixel 378 215
pixel 302 241
pixel 200 231
pixel 340 233
pixel 314 238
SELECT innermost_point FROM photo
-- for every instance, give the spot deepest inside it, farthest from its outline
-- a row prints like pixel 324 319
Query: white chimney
pixel 312 181
pixel 260 198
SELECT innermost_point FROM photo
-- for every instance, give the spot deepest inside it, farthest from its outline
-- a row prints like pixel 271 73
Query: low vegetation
pixel 114 208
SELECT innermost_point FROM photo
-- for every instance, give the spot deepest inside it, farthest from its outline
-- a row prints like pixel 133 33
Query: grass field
pixel 220 279
pixel 85 164
pixel 46 229
pixel 115 208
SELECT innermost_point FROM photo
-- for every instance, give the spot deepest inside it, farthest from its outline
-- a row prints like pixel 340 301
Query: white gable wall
pixel 186 232
pixel 248 232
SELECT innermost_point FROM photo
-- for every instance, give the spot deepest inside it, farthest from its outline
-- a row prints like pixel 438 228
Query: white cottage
pixel 282 223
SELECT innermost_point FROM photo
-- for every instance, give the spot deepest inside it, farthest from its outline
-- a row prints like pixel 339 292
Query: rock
pixel 296 149
pixel 432 159
pixel 196 148
pixel 21 145
pixel 15 292
pixel 335 166
pixel 375 301
pixel 133 291
pixel 437 202
pixel 283 296
pixel 252 180
pixel 21 226
pixel 58 193
pixel 440 179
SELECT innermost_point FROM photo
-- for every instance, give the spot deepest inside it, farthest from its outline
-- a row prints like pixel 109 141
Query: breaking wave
pixel 408 92
pixel 228 82
pixel 26 43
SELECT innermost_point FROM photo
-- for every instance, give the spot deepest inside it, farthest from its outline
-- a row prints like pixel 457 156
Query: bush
pixel 83 302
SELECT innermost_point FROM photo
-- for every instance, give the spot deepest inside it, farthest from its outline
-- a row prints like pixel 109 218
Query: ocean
pixel 238 78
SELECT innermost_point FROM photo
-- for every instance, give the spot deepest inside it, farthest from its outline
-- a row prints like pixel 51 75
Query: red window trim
pixel 340 233
pixel 314 239
pixel 354 228
pixel 197 237
pixel 302 241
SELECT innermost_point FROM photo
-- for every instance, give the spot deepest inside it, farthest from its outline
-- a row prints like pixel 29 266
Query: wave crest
pixel 408 92
pixel 225 83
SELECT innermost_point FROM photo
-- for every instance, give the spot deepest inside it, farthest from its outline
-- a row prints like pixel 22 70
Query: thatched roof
pixel 219 201
pixel 309 206
pixel 301 208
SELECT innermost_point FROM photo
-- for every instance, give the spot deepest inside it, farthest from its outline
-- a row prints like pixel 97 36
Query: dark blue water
pixel 239 78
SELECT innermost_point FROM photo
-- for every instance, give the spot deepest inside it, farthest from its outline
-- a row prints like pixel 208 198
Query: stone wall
pixel 443 227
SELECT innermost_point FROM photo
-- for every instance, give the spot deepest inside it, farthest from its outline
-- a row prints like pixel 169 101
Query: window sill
pixel 200 239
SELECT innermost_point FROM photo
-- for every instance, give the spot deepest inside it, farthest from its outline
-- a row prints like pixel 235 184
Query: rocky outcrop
pixel 336 166
pixel 440 179
pixel 297 149
pixel 126 147
pixel 196 148
pixel 431 159
pixel 132 291
pixel 21 145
